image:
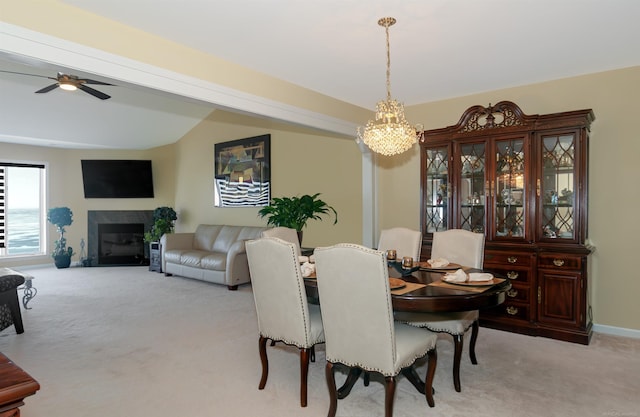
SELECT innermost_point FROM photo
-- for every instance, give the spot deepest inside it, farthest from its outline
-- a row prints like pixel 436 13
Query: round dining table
pixel 435 296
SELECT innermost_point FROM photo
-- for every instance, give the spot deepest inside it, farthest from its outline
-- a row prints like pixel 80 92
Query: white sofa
pixel 213 253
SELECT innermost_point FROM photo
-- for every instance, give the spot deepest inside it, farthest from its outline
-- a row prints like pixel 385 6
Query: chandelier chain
pixel 388 65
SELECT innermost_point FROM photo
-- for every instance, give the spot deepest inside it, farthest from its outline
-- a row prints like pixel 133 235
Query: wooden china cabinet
pixel 522 181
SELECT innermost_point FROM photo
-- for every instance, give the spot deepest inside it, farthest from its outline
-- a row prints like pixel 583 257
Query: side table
pixel 29 290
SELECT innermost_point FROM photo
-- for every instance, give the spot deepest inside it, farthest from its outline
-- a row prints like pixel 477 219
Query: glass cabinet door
pixel 437 190
pixel 471 192
pixel 557 187
pixel 508 189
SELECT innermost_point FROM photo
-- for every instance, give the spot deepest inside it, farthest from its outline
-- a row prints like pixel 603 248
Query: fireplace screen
pixel 121 244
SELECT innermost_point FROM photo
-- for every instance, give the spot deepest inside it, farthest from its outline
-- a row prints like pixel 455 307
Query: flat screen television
pixel 112 178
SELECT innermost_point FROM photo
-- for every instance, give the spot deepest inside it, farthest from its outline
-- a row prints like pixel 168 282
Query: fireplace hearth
pixel 116 237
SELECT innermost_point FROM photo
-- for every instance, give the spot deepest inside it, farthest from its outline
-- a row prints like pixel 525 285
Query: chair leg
pixel 431 372
pixel 458 342
pixel 472 344
pixel 16 315
pixel 333 392
pixel 313 353
pixel 262 347
pixel 389 394
pixel 304 372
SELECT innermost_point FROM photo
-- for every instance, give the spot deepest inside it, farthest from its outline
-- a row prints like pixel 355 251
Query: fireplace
pixel 116 237
pixel 121 244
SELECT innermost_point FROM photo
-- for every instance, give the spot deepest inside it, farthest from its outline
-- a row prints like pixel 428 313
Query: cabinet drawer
pixel 506 258
pixel 514 274
pixel 511 310
pixel 560 261
pixel 518 293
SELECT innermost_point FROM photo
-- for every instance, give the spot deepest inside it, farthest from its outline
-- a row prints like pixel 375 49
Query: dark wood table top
pixel 15 385
pixel 436 299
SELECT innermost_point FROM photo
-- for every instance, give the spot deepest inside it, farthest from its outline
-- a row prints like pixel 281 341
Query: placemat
pixel 458 287
pixel 410 287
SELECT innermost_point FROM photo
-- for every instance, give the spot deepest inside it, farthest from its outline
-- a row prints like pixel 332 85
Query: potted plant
pixel 61 217
pixel 163 222
pixel 294 212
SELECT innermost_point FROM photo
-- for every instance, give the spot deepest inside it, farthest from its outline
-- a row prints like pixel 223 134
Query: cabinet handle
pixel 512 275
pixel 487 190
pixel 512 259
pixel 539 295
pixel 558 262
pixel 512 293
pixel 493 187
pixel 512 311
pixel 538 187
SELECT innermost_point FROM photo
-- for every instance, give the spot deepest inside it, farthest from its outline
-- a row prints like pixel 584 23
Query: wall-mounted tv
pixel 112 178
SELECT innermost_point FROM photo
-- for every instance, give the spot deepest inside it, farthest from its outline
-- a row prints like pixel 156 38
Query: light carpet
pixel 122 341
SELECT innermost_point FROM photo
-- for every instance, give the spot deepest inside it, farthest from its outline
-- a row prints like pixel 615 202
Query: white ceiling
pixel 439 49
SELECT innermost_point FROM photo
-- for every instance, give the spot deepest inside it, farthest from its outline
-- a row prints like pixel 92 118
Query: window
pixel 22 209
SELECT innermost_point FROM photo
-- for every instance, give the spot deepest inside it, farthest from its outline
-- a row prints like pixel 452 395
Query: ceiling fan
pixel 69 83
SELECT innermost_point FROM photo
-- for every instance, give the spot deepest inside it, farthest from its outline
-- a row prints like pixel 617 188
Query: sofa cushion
pixel 173 255
pixel 216 261
pixel 193 257
pixel 227 237
pixel 205 236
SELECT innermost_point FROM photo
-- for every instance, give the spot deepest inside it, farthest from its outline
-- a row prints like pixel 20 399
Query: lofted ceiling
pixel 439 49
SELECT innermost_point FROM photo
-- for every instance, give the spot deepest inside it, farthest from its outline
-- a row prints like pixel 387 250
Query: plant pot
pixel 62 261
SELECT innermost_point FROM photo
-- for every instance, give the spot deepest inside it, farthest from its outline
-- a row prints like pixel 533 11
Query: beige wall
pixel 301 163
pixel 614 196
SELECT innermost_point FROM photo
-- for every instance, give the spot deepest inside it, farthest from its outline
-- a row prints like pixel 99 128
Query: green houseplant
pixel 295 212
pixel 163 222
pixel 61 217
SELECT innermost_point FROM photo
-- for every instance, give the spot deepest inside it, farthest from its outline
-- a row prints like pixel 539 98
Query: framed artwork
pixel 243 172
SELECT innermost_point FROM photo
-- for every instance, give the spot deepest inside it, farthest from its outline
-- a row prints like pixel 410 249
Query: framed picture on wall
pixel 243 172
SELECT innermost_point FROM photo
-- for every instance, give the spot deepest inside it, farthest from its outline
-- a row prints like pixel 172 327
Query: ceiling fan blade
pixel 95 93
pixel 48 88
pixel 87 81
pixel 30 75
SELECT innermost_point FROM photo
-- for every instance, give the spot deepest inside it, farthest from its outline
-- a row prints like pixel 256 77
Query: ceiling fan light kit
pixel 68 87
pixel 390 133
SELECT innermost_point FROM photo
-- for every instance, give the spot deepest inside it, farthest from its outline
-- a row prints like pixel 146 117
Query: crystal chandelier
pixel 390 133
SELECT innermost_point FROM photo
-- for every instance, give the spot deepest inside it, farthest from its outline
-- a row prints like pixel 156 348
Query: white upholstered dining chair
pixel 467 249
pixel 360 332
pixel 281 304
pixel 406 242
pixel 285 233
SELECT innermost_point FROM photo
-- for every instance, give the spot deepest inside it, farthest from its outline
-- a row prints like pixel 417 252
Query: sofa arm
pixel 172 241
pixel 237 265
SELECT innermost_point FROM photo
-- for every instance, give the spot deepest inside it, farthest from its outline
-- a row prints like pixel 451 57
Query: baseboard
pixel 616 331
